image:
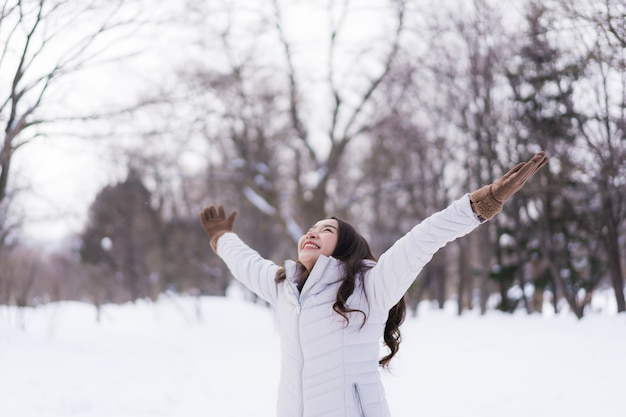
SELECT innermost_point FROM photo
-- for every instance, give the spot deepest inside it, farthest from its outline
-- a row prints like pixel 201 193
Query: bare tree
pixel 606 16
pixel 43 42
pixel 599 29
pixel 21 268
pixel 277 145
pixel 466 63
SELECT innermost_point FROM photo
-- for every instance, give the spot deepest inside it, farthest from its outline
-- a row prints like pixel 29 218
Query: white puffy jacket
pixel 329 369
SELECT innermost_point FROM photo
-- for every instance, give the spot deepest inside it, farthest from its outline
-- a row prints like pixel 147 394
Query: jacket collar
pixel 326 271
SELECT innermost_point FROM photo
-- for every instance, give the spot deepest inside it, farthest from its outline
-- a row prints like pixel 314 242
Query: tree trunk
pixel 611 243
pixel 465 281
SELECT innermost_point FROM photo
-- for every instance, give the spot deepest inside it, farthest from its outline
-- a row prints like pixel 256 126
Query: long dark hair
pixel 352 250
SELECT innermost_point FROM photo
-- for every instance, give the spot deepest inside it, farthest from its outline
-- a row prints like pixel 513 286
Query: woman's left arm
pixel 399 266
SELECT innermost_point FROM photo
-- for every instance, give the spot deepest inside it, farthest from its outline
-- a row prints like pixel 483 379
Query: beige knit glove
pixel 215 223
pixel 488 200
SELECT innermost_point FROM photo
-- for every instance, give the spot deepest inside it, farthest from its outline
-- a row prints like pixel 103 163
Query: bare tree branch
pixel 335 28
pixel 294 100
pixel 347 135
pixel 44 40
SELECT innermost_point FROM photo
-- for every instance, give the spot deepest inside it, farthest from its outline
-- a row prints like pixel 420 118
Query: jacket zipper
pixel 299 307
pixel 357 398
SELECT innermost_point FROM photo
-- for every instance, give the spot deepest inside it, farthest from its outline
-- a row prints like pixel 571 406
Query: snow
pixel 258 201
pixel 213 356
pixel 293 229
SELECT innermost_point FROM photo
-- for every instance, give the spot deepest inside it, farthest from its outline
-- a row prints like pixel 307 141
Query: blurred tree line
pixel 379 112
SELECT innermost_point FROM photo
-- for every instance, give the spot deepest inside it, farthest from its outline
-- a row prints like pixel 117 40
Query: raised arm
pixel 399 266
pixel 246 265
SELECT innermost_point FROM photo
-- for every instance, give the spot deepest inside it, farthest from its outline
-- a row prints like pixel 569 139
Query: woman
pixel 336 302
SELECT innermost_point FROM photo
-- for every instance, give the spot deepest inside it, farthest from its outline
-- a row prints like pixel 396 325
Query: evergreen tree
pixel 122 234
pixel 543 82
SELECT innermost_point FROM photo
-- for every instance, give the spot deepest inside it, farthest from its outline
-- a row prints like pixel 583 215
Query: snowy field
pixel 185 357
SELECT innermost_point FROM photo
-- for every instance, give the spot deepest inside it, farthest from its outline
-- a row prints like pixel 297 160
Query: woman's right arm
pixel 248 267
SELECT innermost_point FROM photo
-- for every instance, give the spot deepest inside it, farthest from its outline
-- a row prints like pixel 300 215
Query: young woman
pixel 336 301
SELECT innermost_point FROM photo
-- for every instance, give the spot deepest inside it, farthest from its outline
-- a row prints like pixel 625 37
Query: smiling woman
pixel 336 302
pixel 321 239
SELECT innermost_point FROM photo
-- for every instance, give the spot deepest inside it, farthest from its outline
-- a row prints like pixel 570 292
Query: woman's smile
pixel 321 239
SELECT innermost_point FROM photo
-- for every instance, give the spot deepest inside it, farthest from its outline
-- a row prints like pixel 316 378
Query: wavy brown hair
pixel 352 250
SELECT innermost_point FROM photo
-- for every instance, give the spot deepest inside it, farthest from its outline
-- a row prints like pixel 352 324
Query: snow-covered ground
pixel 186 357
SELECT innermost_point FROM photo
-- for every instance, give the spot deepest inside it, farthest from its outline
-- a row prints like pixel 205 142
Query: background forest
pixel 381 112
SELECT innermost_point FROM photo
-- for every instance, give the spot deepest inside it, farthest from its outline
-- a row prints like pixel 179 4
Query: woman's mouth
pixel 310 245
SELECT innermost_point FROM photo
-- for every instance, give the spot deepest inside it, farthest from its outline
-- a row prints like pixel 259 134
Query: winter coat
pixel 329 368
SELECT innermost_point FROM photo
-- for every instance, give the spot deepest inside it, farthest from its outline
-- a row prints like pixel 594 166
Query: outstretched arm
pixel 488 201
pixel 399 266
pixel 215 223
pixel 250 268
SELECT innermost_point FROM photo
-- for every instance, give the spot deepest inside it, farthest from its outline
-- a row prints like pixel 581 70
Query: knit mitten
pixel 488 200
pixel 215 223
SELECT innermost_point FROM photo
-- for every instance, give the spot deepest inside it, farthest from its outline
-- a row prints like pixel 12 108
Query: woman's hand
pixel 215 223
pixel 488 201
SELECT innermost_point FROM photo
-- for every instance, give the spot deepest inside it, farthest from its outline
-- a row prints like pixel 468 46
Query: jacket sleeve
pixel 399 266
pixel 248 267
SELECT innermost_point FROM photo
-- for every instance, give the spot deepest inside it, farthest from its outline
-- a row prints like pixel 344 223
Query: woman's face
pixel 321 239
